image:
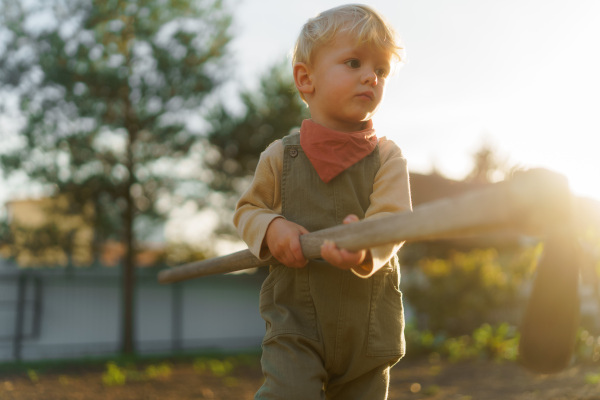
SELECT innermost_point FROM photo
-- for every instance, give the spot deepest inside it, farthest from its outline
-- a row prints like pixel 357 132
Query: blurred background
pixel 129 129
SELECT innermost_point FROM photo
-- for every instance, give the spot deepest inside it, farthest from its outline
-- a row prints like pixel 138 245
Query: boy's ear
pixel 302 78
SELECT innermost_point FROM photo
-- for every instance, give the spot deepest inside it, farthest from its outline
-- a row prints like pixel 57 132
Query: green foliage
pixel 488 342
pixel 161 371
pixel 270 113
pixel 33 375
pixel 455 295
pixel 592 379
pixel 106 90
pixel 182 253
pixel 113 376
pixel 421 342
pixel 119 376
pixel 219 368
pixel 499 343
pixel 587 346
pixel 5 233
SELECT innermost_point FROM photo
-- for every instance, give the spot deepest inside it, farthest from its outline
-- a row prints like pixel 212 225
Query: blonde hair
pixel 361 20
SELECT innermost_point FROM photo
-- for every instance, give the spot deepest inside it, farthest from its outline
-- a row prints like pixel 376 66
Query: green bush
pixel 587 346
pixel 114 376
pixel 217 367
pixel 456 294
pixel 499 343
pixel 118 376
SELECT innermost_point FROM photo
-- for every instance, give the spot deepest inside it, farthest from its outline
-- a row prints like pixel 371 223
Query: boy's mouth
pixel 369 95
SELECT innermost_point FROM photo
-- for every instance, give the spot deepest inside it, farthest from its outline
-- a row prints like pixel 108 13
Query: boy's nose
pixel 370 78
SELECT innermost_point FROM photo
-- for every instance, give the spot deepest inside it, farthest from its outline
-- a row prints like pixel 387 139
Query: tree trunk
pixel 128 280
pixel 131 126
pixel 129 259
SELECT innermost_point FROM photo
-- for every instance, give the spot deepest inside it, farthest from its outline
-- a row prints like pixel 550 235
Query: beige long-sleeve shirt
pixel 261 203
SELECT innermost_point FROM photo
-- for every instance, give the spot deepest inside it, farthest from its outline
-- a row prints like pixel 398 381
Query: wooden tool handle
pixel 528 202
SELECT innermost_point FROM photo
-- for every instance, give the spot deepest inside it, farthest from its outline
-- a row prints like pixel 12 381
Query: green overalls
pixel 329 333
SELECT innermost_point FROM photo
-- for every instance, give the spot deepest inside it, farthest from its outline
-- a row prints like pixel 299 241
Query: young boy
pixel 331 333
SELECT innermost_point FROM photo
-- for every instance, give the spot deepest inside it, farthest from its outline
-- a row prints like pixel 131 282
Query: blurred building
pixel 47 232
pixel 429 187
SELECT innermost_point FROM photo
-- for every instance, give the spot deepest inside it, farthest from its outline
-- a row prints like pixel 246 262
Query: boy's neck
pixel 341 127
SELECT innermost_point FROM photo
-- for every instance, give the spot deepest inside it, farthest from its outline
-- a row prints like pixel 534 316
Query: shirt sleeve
pixel 391 194
pixel 261 203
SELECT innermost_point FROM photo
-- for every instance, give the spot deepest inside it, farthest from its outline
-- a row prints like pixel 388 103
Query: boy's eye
pixel 354 63
pixel 381 72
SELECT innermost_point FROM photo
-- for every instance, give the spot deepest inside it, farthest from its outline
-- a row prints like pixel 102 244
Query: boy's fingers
pixel 354 258
pixel 350 218
pixel 341 258
pixel 297 256
pixel 332 254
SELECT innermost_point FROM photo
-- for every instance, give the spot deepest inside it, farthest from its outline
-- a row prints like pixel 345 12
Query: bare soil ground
pixel 415 380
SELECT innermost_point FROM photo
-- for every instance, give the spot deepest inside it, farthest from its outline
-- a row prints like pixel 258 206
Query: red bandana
pixel 332 152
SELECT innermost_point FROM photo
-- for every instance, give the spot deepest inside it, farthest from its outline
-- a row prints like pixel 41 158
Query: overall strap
pixel 314 204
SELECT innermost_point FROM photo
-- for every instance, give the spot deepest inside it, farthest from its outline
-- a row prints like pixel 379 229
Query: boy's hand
pixel 342 258
pixel 283 240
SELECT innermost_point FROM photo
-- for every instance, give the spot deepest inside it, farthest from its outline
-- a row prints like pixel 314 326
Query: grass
pixel 151 364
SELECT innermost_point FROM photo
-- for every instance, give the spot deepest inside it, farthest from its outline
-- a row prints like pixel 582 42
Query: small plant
pixel 118 376
pixel 592 379
pixel 114 376
pixel 220 368
pixel 422 342
pixel 161 371
pixel 500 343
pixel 454 294
pixel 33 376
pixel 459 348
pixel 486 342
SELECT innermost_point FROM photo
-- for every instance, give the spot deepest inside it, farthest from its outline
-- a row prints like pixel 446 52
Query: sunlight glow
pixel 521 74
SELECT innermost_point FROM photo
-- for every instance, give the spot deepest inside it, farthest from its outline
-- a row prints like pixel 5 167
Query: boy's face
pixel 348 81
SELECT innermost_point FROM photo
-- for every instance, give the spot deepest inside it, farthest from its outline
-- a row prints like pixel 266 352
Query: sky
pixel 518 75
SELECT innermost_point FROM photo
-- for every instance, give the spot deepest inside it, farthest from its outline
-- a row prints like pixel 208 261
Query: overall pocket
pixel 286 304
pixel 386 320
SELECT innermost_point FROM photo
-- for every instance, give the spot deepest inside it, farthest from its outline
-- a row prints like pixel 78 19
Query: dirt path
pixel 492 381
pixel 414 380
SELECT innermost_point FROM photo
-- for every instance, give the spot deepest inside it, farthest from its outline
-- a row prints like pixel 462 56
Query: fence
pixel 72 313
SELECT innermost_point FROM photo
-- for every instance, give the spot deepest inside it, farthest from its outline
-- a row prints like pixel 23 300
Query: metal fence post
pixel 20 316
pixel 176 317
